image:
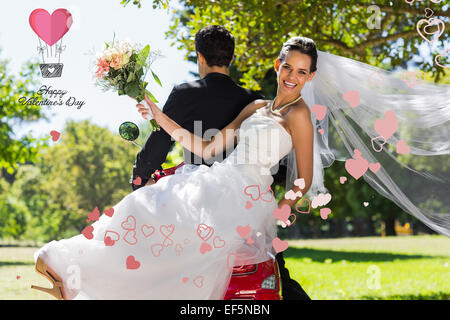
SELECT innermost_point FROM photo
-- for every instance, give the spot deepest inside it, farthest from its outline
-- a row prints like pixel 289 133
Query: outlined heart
pixel 198 281
pixel 218 242
pixel 130 237
pixel 267 196
pixel 112 236
pixel 253 191
pixel 204 231
pixel 376 78
pixel 132 263
pixel 444 54
pixel 156 249
pixel 129 224
pixel 147 231
pixel 431 22
pixel 300 203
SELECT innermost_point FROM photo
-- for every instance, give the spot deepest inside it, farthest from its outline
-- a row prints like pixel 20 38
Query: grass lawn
pixel 413 267
pixel 409 268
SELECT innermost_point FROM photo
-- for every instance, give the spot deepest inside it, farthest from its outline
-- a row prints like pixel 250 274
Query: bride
pixel 179 238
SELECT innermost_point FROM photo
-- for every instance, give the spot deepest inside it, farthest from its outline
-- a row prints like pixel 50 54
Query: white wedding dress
pixel 179 238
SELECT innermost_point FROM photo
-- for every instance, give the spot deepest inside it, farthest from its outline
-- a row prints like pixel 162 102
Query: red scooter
pixel 248 282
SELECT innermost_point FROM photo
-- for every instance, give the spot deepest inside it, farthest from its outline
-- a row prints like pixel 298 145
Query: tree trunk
pixel 389 224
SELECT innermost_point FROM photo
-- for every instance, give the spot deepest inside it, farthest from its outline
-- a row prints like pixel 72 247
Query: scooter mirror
pixel 129 131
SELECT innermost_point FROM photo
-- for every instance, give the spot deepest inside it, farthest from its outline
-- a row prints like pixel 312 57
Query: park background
pixel 48 188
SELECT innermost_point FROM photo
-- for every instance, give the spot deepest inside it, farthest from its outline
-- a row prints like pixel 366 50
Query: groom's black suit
pixel 214 100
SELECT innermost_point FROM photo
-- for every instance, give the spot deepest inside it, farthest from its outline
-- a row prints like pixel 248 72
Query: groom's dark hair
pixel 216 44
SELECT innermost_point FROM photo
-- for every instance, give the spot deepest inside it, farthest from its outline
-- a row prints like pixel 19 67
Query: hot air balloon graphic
pixel 51 30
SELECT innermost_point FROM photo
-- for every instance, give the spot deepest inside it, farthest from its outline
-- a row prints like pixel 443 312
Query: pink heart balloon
pixel 50 28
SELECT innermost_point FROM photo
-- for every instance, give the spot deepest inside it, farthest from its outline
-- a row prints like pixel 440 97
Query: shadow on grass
pixel 432 296
pixel 15 263
pixel 320 255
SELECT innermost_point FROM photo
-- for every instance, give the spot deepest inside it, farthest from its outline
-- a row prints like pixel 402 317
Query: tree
pixel 340 27
pixel 18 150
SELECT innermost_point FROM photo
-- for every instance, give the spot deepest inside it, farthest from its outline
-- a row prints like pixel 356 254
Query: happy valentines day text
pixel 52 97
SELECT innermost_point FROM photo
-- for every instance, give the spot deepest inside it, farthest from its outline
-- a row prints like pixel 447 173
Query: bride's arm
pixel 302 131
pixel 197 145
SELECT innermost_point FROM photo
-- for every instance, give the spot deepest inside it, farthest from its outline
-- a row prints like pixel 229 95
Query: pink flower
pixel 103 66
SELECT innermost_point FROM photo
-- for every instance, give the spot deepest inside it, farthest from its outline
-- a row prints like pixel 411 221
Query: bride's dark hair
pixel 302 44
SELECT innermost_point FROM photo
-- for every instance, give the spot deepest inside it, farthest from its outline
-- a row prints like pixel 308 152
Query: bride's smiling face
pixel 293 72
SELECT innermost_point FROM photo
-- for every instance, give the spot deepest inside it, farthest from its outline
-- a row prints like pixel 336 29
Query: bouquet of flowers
pixel 122 67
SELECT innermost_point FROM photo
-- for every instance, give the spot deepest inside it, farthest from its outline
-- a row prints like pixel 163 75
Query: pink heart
pixel 321 131
pixel 279 245
pixel 87 232
pixel 218 242
pixel 428 12
pixel 55 135
pixel 130 237
pixel 108 242
pixel 50 28
pixel 132 263
pixel 198 281
pixel 109 212
pixel 300 203
pixel 185 279
pixel 319 110
pixel 356 168
pixel 243 231
pixel 351 97
pixel 282 213
pixel 402 147
pixel 248 205
pixel 129 224
pixel 250 240
pixel 204 231
pixel 94 215
pixel 342 179
pixel 366 204
pixel 147 231
pixel 374 167
pixel 324 212
pixel 137 181
pixel 386 126
pixel 237 261
pixel 156 249
pixel 205 247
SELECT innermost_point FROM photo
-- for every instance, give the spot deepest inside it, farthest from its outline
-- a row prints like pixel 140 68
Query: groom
pixel 214 101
